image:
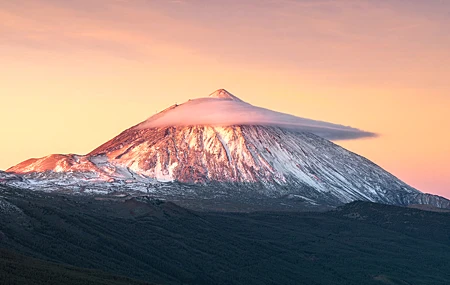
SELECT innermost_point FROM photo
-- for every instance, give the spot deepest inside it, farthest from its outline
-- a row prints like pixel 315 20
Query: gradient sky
pixel 74 74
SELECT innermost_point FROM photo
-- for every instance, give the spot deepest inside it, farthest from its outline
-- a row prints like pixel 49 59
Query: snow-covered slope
pixel 236 160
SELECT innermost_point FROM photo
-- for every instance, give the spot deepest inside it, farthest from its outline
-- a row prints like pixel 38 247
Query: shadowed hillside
pixel 17 269
pixel 159 242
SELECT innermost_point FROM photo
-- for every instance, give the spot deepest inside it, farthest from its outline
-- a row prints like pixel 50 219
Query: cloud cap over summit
pixel 222 108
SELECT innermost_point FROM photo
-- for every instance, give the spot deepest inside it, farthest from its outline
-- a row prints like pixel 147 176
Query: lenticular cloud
pixel 223 109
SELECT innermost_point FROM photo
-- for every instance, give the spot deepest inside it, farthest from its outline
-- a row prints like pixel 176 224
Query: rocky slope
pixel 235 161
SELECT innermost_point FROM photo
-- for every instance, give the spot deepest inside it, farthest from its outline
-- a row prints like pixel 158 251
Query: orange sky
pixel 74 74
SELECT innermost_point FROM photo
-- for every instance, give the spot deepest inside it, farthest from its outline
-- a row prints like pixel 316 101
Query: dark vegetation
pixel 17 269
pixel 159 242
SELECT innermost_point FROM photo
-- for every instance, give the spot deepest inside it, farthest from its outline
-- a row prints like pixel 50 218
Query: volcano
pixel 221 152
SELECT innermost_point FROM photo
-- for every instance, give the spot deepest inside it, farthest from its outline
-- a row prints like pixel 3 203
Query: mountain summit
pixel 224 94
pixel 259 160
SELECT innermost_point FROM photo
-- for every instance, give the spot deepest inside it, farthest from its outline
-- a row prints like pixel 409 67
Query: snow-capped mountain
pixel 241 151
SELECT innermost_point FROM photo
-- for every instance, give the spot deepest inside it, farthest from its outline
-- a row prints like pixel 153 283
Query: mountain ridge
pixel 259 160
pixel 238 162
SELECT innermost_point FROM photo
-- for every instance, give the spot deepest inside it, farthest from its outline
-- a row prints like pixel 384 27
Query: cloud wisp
pixel 224 109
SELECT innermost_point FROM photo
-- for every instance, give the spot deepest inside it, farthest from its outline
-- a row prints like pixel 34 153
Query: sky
pixel 74 74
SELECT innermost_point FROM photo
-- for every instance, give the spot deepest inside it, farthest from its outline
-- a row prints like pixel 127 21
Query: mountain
pixel 221 150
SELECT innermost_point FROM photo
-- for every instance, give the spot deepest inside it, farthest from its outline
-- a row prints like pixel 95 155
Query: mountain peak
pixel 224 94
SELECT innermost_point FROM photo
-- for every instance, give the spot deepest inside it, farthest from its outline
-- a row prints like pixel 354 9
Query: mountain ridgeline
pixel 274 161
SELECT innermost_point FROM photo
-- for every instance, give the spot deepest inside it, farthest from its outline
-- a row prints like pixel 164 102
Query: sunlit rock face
pixel 209 143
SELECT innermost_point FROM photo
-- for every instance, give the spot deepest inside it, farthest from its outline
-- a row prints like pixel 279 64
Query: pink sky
pixel 76 73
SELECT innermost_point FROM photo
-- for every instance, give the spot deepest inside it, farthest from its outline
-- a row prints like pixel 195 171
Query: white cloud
pixel 223 109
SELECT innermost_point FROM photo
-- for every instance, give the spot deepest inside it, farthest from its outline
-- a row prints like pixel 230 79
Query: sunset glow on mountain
pixel 76 73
